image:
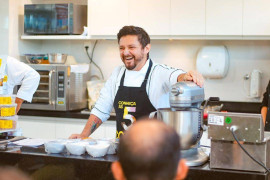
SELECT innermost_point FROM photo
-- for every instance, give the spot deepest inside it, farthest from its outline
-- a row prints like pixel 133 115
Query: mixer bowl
pixel 187 123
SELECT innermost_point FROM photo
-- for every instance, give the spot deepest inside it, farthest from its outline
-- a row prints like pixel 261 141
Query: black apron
pixel 267 122
pixel 131 103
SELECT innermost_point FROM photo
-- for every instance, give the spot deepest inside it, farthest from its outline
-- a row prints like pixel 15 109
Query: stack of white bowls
pixel 95 148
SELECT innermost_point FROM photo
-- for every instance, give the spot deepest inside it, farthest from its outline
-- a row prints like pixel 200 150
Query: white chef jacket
pixel 161 78
pixel 20 73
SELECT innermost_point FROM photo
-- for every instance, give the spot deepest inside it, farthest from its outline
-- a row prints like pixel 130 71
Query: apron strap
pixel 147 74
pixel 122 79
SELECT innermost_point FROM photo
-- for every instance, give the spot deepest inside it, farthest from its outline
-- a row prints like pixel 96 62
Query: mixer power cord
pixel 258 162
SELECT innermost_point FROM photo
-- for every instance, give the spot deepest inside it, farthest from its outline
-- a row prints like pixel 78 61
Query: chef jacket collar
pixel 144 68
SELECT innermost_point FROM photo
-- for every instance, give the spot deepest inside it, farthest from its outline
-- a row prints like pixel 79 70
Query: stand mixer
pixel 186 117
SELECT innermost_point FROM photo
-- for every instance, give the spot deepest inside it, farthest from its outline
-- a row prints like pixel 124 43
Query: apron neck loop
pixel 145 78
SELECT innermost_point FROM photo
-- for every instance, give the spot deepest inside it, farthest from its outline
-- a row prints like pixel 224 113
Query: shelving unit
pixel 52 37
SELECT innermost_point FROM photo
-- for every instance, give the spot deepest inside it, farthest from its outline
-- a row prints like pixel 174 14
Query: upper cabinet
pixel 107 16
pixel 188 17
pixel 256 21
pixel 224 17
pixel 177 19
pixel 152 15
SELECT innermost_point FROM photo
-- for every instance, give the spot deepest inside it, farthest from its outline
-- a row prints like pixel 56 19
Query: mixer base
pixel 194 156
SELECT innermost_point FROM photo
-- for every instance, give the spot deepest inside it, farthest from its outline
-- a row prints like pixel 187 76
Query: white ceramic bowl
pixel 54 147
pixel 97 150
pixel 77 148
pixel 114 146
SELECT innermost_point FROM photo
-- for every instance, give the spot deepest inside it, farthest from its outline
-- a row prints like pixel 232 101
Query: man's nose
pixel 126 51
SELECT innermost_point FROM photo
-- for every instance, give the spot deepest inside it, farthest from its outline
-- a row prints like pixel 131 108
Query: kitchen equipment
pixel 249 129
pixel 8 110
pixel 185 116
pixel 57 58
pixel 255 84
pixel 61 88
pixel 37 58
pixel 7 99
pixel 66 18
pixel 8 123
pixel 213 62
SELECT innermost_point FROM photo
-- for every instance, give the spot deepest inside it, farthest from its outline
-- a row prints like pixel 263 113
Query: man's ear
pixel 117 171
pixel 182 170
pixel 147 48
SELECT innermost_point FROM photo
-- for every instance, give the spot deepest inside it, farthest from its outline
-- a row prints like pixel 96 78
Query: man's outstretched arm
pixel 92 124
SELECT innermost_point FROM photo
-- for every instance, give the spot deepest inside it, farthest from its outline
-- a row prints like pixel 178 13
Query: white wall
pixel 4 5
pixel 245 55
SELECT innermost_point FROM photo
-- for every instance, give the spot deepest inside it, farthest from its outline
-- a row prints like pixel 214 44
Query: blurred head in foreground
pixel 149 150
pixel 11 173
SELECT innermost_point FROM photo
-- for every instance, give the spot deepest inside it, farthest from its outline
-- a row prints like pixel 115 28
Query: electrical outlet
pixel 88 43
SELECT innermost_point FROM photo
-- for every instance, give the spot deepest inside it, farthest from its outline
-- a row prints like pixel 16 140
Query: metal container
pixel 37 58
pixel 187 122
pixel 57 58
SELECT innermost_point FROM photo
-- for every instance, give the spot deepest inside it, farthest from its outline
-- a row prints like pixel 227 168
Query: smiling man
pixel 135 88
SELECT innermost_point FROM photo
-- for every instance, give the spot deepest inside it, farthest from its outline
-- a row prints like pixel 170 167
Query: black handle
pixel 215 99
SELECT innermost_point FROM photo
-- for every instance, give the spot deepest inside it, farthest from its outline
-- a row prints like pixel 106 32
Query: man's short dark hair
pixel 160 164
pixel 142 35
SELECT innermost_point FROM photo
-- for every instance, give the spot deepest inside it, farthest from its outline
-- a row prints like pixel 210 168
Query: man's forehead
pixel 133 39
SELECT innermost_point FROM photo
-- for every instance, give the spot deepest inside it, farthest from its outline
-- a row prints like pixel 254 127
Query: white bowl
pixel 54 147
pixel 97 150
pixel 77 148
pixel 114 146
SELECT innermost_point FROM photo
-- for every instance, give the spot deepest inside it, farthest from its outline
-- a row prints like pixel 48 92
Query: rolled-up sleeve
pixel 20 73
pixel 104 104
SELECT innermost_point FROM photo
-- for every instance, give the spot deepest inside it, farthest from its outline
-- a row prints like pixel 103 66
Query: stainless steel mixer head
pixel 186 94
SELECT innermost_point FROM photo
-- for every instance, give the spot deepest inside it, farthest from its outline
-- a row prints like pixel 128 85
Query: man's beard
pixel 136 61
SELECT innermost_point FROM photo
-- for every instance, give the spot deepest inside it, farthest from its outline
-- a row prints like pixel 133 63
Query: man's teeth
pixel 129 58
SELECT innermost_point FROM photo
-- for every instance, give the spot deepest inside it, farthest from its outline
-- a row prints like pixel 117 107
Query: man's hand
pixel 76 136
pixel 192 76
pixel 19 102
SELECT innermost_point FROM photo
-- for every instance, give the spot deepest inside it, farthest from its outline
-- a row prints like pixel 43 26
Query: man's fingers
pixel 74 136
pixel 195 77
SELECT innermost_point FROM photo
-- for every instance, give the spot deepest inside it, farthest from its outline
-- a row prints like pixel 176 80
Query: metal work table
pixel 40 165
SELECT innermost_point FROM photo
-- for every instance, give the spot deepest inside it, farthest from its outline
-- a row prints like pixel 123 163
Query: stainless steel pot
pixel 187 122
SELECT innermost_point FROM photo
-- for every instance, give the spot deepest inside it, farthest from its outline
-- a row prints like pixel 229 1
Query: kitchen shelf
pixel 153 37
pixel 52 37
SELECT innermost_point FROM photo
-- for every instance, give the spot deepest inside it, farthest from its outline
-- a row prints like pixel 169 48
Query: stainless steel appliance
pixel 66 18
pixel 59 89
pixel 186 117
pixel 249 130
